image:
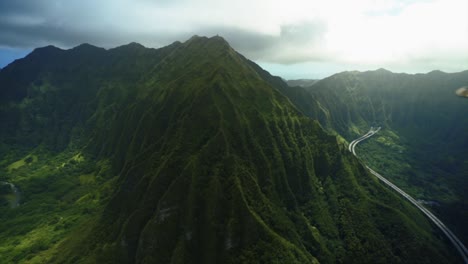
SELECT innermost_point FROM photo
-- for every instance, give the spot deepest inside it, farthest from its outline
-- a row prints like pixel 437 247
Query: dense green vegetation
pixel 423 144
pixel 186 154
pixel 59 192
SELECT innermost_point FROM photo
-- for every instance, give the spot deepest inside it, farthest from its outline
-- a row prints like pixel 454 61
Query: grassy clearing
pixel 28 160
pixel 56 200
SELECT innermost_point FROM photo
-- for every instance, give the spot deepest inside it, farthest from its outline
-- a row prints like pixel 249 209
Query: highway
pixel 453 239
pixel 369 134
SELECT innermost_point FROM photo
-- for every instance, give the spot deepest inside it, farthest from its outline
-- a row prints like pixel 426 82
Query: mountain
pixel 186 154
pixel 423 145
pixel 301 82
pixel 393 99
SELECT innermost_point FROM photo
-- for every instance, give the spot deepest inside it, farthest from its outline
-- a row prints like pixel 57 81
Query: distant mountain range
pixel 193 154
pixel 301 82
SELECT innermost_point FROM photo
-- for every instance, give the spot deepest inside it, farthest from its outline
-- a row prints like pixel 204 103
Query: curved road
pixel 455 241
pixel 369 134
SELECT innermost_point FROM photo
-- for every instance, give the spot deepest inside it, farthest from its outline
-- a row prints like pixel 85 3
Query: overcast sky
pixel 293 38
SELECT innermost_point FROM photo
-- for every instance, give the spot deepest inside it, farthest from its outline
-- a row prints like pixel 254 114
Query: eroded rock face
pixel 463 92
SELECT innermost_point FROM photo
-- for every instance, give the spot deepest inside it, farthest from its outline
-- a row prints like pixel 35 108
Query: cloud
pixel 281 47
pixel 398 34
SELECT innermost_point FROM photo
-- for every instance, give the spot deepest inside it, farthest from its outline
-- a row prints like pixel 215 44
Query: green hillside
pixel 423 145
pixel 185 154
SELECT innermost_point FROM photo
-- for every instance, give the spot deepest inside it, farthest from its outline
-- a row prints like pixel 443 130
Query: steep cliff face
pixel 214 165
pixel 423 144
pixel 399 101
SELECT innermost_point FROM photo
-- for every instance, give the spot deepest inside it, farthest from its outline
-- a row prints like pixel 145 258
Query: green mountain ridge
pixel 423 144
pixel 186 154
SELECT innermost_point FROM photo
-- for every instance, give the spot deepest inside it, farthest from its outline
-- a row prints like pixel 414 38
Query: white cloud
pixel 398 34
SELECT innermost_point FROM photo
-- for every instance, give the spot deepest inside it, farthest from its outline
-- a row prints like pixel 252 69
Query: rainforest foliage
pixel 422 146
pixel 186 154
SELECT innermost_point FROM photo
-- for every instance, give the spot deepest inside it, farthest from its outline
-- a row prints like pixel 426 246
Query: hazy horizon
pixel 295 39
pixel 287 72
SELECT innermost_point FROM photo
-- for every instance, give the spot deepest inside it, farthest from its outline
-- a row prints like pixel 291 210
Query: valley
pixel 192 153
pixel 422 146
pixel 453 239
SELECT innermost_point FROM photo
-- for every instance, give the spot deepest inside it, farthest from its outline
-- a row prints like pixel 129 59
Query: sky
pixel 293 39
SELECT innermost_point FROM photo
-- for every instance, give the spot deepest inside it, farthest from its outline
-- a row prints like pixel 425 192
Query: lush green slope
pixel 208 162
pixel 423 144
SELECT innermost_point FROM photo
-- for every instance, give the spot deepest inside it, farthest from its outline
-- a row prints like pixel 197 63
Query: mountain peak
pixel 208 40
pixel 134 45
pixel 196 37
pixel 86 47
pixel 382 70
pixel 436 72
pixel 47 51
pixel 130 46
